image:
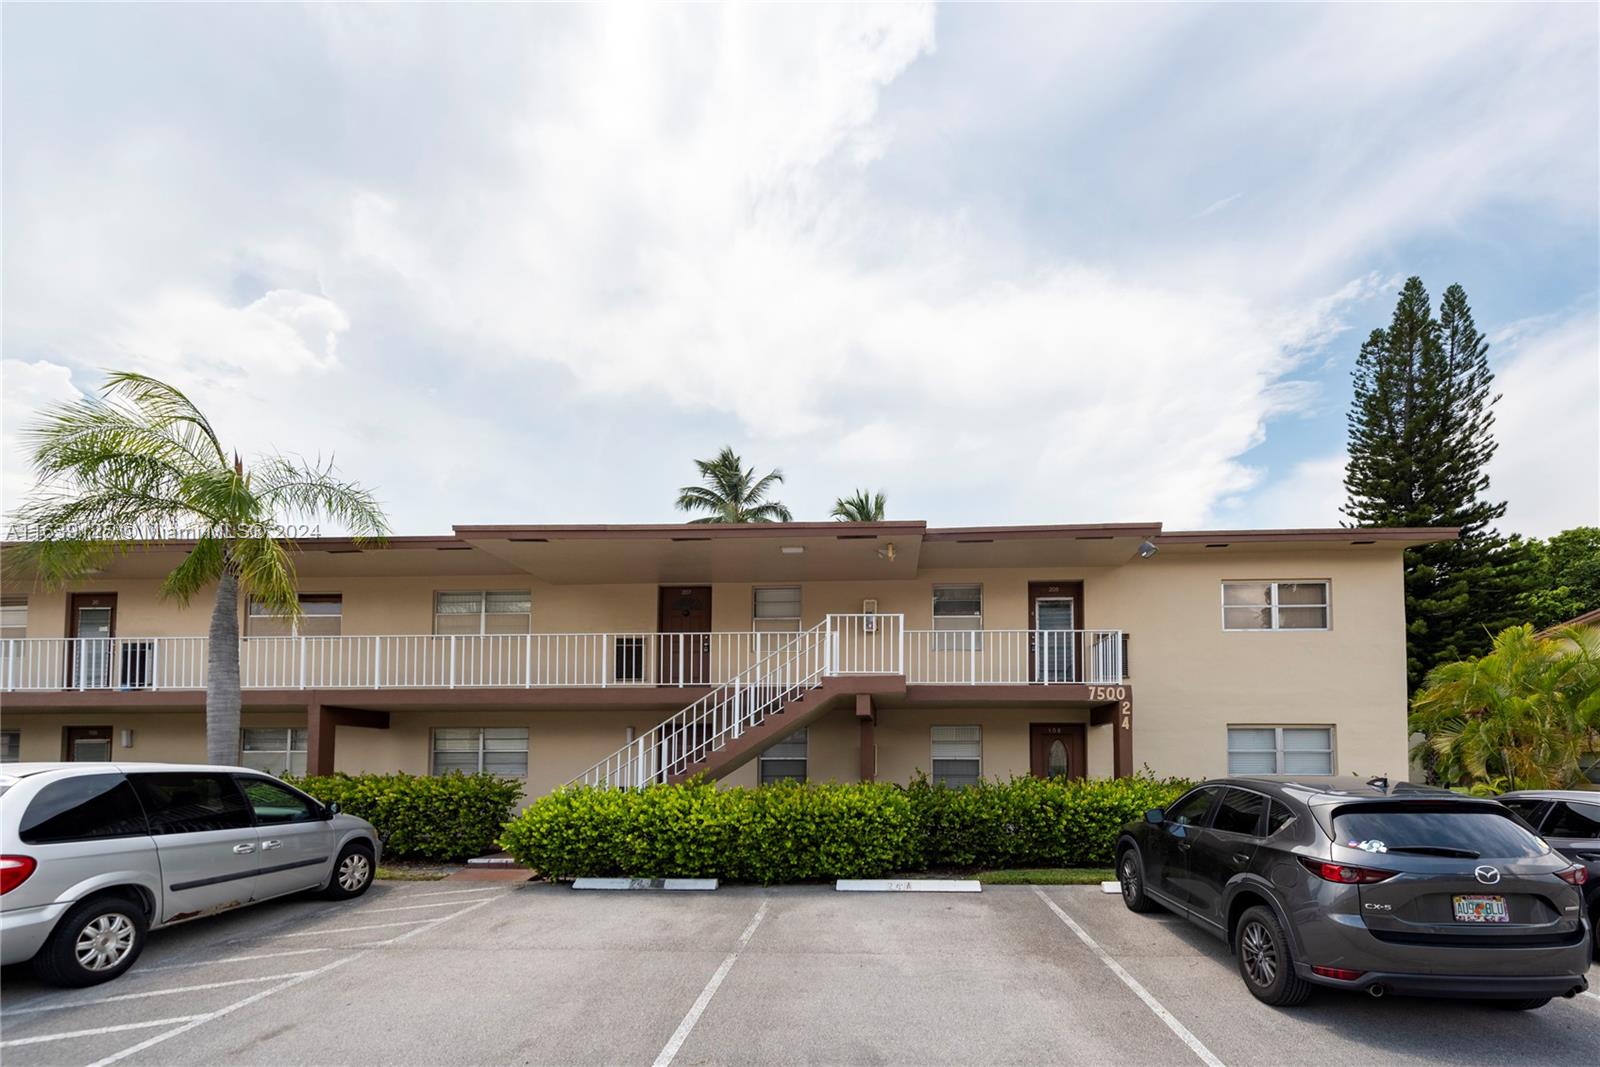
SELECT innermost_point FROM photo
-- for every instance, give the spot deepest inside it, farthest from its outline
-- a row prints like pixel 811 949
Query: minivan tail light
pixel 14 870
pixel 1344 873
pixel 1577 874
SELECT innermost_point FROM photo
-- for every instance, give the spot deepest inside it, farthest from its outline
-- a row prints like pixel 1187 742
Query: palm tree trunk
pixel 222 675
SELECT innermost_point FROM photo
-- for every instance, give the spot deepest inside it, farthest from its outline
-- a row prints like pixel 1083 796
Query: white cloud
pixel 26 389
pixel 1547 423
pixel 502 260
pixel 1310 495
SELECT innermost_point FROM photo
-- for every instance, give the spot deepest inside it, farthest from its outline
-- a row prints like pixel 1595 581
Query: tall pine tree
pixel 1421 434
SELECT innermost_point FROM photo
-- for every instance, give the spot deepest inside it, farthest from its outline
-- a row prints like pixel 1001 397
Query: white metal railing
pixel 1013 657
pixel 722 715
pixel 423 661
pixel 856 644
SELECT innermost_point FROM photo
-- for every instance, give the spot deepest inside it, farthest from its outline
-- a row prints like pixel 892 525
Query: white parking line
pixel 226 959
pixel 413 907
pixel 1132 983
pixel 200 1020
pixel 31 1008
pixel 681 1035
pixel 455 892
pixel 353 929
pixel 65 1034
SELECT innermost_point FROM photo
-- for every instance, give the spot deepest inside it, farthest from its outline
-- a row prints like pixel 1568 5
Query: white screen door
pixel 1053 647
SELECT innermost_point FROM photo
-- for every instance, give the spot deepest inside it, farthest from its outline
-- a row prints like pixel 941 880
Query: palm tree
pixel 1525 715
pixel 141 461
pixel 863 507
pixel 731 493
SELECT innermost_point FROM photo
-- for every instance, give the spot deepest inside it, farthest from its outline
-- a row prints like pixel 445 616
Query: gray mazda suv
pixel 1350 885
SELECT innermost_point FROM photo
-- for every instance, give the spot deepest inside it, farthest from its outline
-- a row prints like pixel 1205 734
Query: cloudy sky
pixel 1018 264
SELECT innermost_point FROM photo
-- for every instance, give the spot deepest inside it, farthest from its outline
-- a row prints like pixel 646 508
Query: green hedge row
pixel 450 817
pixel 791 832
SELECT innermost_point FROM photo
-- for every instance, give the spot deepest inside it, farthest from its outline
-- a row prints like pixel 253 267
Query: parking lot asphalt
pixel 420 973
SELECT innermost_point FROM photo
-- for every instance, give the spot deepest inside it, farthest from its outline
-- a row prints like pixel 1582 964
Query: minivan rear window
pixel 85 807
pixel 1464 832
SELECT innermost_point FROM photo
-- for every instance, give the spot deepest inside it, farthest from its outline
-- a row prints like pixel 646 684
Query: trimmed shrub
pixel 779 833
pixel 450 817
pixel 791 832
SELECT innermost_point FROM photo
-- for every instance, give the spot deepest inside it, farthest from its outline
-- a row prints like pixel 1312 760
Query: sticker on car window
pixel 1370 846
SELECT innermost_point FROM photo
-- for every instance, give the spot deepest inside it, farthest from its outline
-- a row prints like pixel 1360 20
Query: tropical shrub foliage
pixel 1526 715
pixel 793 832
pixel 449 817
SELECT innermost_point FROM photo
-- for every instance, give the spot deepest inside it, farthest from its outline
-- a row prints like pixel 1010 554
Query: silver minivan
pixel 94 855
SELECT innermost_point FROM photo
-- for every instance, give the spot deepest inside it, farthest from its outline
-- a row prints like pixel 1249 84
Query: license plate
pixel 1481 909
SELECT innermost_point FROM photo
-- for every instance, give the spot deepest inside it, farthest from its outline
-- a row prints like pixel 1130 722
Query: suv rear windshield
pixel 1435 831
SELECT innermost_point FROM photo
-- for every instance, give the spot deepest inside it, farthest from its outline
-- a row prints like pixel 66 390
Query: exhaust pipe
pixel 1377 990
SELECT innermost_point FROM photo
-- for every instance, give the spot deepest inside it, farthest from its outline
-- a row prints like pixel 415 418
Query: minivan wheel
pixel 1264 960
pixel 1130 875
pixel 352 873
pixel 1522 1005
pixel 94 942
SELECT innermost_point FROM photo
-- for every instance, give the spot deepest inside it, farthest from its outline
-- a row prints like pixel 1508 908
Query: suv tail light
pixel 1344 873
pixel 1577 874
pixel 1341 973
pixel 14 870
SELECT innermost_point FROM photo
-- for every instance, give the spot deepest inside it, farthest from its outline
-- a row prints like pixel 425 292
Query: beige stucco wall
pixel 1190 679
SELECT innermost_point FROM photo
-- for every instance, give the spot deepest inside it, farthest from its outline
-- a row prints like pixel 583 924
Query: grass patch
pixel 1048 876
pixel 401 871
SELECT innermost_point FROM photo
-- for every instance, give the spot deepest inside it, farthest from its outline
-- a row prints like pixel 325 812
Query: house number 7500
pixel 1108 692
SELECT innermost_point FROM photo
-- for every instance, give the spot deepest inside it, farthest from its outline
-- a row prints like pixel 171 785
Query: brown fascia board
pixel 302 544
pixel 698 531
pixel 1411 535
pixel 1082 531
pixel 1588 618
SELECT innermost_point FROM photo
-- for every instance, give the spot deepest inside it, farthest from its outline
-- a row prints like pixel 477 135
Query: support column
pixel 1119 717
pixel 867 718
pixel 320 726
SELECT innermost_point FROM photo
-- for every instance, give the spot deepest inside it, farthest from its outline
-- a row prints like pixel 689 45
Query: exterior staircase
pixel 779 693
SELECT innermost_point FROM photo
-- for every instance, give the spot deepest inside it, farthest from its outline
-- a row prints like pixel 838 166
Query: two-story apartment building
pixel 843 651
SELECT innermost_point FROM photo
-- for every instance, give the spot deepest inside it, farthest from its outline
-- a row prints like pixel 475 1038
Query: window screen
pixel 786 760
pixel 320 616
pixel 473 613
pixel 1280 750
pixel 276 750
pixel 957 755
pixel 470 749
pixel 1274 605
pixel 13 616
pixel 10 746
pixel 777 609
pixel 958 608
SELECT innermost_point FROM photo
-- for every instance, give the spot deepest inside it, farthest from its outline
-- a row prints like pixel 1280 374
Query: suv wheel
pixel 1130 875
pixel 94 942
pixel 1264 960
pixel 352 873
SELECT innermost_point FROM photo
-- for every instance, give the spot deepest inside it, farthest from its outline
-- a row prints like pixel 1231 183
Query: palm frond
pixel 165 405
pixel 289 488
pixel 200 568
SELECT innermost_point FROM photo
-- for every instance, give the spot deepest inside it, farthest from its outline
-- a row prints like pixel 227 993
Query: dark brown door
pixel 683 653
pixel 1055 615
pixel 86 744
pixel 1058 749
pixel 91 623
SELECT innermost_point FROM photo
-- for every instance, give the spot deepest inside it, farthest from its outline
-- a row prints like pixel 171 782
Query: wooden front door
pixel 1055 615
pixel 683 649
pixel 1058 750
pixel 91 623
pixel 86 744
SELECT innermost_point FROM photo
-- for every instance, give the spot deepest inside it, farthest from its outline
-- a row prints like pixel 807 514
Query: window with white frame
pixel 1275 605
pixel 786 760
pixel 13 616
pixel 957 756
pixel 10 746
pixel 321 615
pixel 276 750
pixel 1280 750
pixel 958 608
pixel 777 609
pixel 492 749
pixel 487 612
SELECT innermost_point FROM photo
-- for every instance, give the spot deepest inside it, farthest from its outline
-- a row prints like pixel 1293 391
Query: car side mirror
pixel 333 808
pixel 1155 816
